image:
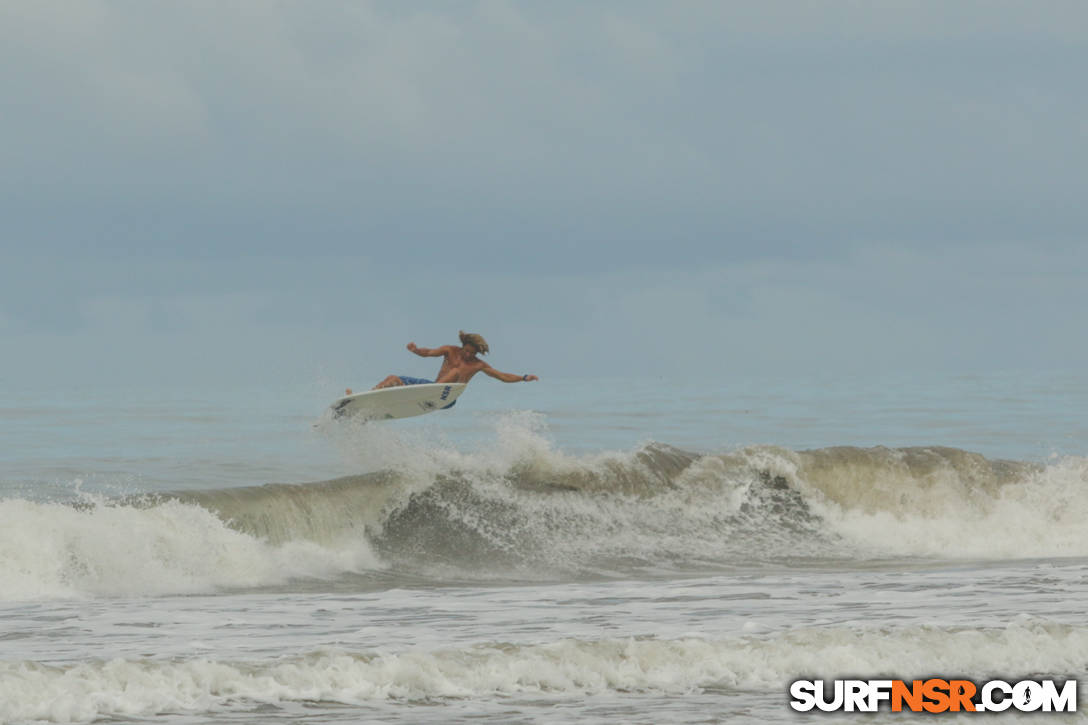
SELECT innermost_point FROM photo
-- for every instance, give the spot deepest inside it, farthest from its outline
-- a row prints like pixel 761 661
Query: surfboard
pixel 402 401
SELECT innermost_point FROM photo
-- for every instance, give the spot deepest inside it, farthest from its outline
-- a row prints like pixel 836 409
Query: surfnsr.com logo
pixel 933 695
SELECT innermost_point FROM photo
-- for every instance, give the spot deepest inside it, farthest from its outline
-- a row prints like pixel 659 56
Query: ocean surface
pixel 589 551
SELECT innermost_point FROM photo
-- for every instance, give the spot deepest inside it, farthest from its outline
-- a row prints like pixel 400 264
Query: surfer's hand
pixel 527 378
pixel 412 347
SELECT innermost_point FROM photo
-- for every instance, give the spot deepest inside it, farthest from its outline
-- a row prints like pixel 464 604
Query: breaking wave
pixel 523 509
pixel 94 690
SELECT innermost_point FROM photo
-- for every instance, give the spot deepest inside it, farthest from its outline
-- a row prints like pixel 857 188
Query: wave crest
pixel 526 510
pixel 562 668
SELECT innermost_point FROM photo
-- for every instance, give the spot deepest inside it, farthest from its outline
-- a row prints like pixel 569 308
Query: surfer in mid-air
pixel 459 365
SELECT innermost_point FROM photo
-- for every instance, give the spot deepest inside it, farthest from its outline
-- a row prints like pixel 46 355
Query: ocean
pixel 588 551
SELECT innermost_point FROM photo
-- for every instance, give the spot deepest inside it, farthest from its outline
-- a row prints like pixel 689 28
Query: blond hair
pixel 477 341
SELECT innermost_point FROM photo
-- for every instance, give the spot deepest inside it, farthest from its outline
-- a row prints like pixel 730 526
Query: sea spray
pixel 560 669
pixel 950 503
pixel 50 550
pixel 517 507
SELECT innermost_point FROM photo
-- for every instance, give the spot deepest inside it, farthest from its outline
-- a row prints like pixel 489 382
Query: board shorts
pixel 409 380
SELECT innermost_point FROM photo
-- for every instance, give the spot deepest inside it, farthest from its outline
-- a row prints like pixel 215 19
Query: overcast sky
pixel 288 191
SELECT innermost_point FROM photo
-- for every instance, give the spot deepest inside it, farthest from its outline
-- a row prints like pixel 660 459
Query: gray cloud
pixel 733 172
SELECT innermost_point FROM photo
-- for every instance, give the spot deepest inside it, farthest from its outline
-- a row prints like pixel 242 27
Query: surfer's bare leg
pixel 390 382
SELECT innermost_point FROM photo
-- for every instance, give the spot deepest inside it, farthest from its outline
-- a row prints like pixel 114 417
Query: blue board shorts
pixel 409 380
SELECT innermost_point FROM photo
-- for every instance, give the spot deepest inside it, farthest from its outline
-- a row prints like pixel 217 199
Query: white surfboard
pixel 401 401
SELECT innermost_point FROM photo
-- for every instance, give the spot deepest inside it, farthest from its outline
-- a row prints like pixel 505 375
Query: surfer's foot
pixel 347 392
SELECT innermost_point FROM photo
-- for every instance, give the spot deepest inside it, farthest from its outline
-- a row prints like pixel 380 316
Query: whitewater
pixel 570 551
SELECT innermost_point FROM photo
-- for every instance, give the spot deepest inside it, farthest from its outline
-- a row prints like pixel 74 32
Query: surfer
pixel 459 365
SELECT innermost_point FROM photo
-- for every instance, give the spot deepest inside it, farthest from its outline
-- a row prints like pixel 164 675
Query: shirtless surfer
pixel 459 365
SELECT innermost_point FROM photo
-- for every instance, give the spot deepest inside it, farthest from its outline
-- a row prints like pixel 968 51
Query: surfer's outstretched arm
pixel 428 351
pixel 507 377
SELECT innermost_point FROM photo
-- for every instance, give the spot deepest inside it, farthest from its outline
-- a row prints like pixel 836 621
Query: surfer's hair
pixel 477 341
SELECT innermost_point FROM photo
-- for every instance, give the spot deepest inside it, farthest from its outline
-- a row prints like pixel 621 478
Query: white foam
pixel 602 511
pixel 884 502
pixel 52 550
pixel 1041 515
pixel 560 669
pixel 518 440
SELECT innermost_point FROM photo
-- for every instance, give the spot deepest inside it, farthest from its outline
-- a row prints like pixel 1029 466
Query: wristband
pixel 525 378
